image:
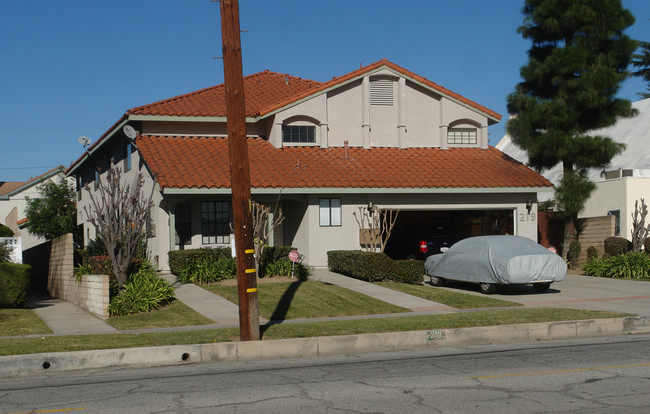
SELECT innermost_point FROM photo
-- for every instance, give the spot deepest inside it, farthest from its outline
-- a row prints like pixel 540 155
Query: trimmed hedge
pixel 14 285
pixel 180 259
pixel 213 264
pixel 372 267
pixel 616 246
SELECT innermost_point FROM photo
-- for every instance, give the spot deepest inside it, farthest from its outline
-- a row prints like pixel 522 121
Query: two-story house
pixel 379 135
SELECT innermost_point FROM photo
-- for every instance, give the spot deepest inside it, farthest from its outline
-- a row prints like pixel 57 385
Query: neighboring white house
pixel 321 150
pixel 625 181
pixel 13 201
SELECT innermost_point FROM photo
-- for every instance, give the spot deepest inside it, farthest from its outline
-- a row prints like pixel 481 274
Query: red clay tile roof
pixel 202 162
pixel 265 92
pixel 260 90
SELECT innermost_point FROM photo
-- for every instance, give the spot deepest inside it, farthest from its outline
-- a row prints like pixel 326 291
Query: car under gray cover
pixel 497 260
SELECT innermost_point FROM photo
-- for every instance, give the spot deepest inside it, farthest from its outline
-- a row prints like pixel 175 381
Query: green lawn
pixel 454 299
pixel 292 300
pixel 175 314
pixel 18 346
pixel 16 322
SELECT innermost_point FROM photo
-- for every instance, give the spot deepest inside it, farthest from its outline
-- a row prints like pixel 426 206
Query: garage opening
pixel 418 234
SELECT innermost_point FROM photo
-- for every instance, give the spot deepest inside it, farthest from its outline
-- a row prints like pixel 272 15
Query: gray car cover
pixel 497 259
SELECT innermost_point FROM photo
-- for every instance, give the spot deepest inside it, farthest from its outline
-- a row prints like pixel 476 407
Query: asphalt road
pixel 604 375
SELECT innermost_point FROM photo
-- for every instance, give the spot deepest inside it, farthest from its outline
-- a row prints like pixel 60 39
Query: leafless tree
pixel 119 211
pixel 262 228
pixel 377 225
pixel 639 230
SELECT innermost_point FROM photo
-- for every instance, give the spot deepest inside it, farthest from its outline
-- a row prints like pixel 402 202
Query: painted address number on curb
pixel 436 336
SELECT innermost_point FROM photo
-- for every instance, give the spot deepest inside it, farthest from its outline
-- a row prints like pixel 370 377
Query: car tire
pixel 437 281
pixel 541 287
pixel 487 288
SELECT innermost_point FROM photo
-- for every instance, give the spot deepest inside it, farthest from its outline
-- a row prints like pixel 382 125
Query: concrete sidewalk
pixel 64 318
pixel 391 296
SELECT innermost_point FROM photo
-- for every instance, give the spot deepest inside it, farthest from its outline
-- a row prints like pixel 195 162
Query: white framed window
pixel 299 133
pixel 215 220
pixel 329 212
pixel 461 136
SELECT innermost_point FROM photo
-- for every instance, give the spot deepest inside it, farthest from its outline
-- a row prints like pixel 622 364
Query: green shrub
pixel 206 270
pixel 574 252
pixel 407 271
pixel 5 253
pixel 361 265
pixel 179 259
pixel 143 292
pixel 593 266
pixel 626 266
pixel 6 231
pixel 96 248
pixel 616 246
pixel 14 285
pixel 592 252
pixel 283 267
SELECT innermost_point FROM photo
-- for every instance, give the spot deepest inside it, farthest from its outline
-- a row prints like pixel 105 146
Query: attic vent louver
pixel 381 92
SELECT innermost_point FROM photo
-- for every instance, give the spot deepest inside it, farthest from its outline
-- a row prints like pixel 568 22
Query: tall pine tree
pixel 578 59
pixel 641 60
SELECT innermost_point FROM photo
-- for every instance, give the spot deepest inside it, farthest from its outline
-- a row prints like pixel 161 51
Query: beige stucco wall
pixel 418 117
pixel 618 194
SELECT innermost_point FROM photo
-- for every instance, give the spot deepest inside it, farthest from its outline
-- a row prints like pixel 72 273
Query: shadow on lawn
pixel 280 312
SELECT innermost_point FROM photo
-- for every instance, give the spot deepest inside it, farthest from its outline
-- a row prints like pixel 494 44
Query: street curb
pixel 51 363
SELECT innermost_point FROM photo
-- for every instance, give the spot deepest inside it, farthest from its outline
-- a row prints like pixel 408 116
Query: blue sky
pixel 73 67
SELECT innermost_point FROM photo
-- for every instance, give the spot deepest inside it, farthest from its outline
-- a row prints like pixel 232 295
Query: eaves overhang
pixel 369 190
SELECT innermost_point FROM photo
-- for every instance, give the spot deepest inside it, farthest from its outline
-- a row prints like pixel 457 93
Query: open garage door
pixel 439 229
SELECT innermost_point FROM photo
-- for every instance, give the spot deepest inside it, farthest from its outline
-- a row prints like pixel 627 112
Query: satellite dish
pixel 85 141
pixel 129 131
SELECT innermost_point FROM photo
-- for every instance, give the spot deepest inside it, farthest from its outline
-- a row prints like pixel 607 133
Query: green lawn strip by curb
pixel 293 300
pixel 18 346
pixel 174 314
pixel 454 299
pixel 14 322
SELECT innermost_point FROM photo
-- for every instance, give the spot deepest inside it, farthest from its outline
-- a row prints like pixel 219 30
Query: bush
pixel 179 259
pixel 360 265
pixel 143 292
pixel 5 253
pixel 574 252
pixel 616 246
pixel 206 270
pixel 408 271
pixel 626 266
pixel 592 252
pixel 14 285
pixel 283 267
pixel 6 231
pixel 96 248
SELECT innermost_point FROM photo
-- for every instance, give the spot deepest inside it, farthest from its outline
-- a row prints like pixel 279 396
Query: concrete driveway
pixel 578 292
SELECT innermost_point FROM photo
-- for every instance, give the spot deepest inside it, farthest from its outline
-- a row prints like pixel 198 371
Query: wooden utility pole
pixel 249 325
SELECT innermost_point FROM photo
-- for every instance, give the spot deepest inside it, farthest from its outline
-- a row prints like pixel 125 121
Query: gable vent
pixel 381 92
